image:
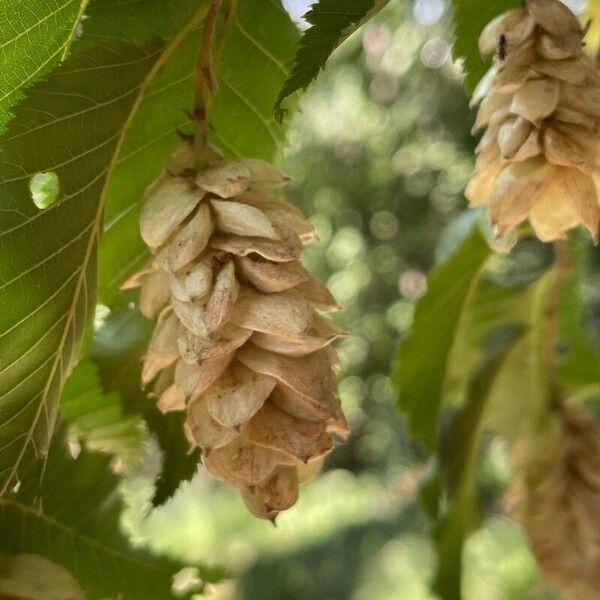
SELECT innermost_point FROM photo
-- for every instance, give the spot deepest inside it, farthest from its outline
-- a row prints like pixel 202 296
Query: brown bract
pixel 557 503
pixel 239 344
pixel 540 102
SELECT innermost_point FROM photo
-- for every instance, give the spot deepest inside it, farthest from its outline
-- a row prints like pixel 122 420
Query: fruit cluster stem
pixel 206 86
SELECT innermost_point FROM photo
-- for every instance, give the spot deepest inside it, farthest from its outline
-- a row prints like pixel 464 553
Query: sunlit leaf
pixel 97 418
pixel 34 37
pixel 77 526
pixel 75 129
pixel 332 21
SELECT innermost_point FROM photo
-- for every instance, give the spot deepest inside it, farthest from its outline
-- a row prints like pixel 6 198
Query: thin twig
pixel 206 85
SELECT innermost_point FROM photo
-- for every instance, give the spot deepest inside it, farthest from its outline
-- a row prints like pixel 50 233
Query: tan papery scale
pixel 239 342
pixel 557 500
pixel 540 102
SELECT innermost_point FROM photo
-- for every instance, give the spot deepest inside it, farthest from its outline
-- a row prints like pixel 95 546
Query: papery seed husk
pixel 226 180
pixel 573 117
pixel 205 431
pixel 264 174
pixel 560 149
pixel 192 283
pixel 162 350
pixel 279 313
pixel 195 349
pixel 554 17
pixel 270 277
pixel 193 316
pixel 181 160
pixel 536 99
pixel 278 493
pixel 512 135
pixel 309 376
pixel 171 400
pixel 576 71
pixel 274 428
pixel 310 470
pixel 162 382
pixel 479 188
pixel 194 379
pixel 155 294
pixel 138 278
pixel 237 395
pixel 530 149
pixel 240 219
pixel 165 208
pixel 493 103
pixel 559 48
pixel 511 78
pixel 580 189
pixel 516 189
pixel 298 405
pixel 188 242
pixel 516 20
pixel 241 463
pixel 552 214
pixel 222 298
pixel 320 333
pixel 318 294
pixel 585 99
pixel 278 251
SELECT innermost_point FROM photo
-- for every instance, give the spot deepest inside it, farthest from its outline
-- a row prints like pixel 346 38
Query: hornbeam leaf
pixel 120 343
pixel 34 37
pixel 98 419
pixel 470 17
pixel 461 459
pixel 77 526
pixel 332 21
pixel 424 354
pixel 75 125
pixel 509 394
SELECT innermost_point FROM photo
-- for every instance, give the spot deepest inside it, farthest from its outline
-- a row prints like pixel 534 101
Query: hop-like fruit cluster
pixel 560 502
pixel 238 343
pixel 540 101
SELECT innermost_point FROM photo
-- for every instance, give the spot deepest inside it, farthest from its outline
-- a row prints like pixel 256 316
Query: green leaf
pixel 76 525
pixel 580 361
pixel 34 37
pixel 510 395
pixel 470 17
pixel 332 21
pixel 98 419
pixel 74 128
pixel 424 354
pixel 242 122
pixel 119 345
pixel 460 469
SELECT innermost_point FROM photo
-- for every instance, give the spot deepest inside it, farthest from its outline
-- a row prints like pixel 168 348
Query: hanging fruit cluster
pixel 238 342
pixel 559 504
pixel 540 102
